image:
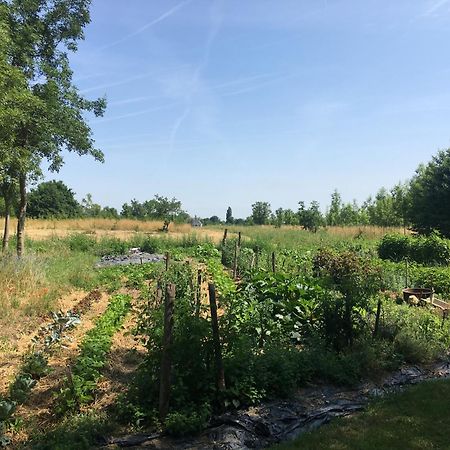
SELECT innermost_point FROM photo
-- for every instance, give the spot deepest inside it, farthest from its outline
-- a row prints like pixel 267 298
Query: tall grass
pixel 295 237
pixel 87 224
pixel 30 287
pixel 21 280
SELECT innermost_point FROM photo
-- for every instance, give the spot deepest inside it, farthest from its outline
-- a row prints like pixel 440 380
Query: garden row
pixel 286 317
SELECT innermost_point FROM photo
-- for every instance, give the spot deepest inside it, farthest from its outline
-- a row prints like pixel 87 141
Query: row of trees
pixel 41 111
pixel 386 209
pixel 421 204
pixel 53 199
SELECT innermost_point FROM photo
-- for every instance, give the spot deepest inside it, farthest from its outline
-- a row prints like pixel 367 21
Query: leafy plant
pixel 79 388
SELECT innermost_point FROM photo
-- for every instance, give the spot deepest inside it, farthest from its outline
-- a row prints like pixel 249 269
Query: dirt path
pixel 37 412
pixel 19 344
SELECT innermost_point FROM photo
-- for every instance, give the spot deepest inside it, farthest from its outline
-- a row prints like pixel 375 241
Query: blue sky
pixel 227 102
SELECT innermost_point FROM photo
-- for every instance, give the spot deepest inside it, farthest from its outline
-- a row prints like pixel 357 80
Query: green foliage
pixel 206 251
pixel 224 283
pixel 188 421
pixel 437 278
pixel 429 196
pixel 261 213
pixel 81 432
pixel 418 335
pixel 52 199
pixel 431 249
pixel 354 275
pixel 79 388
pixel 310 219
pixel 229 216
pixel 160 207
pixel 276 307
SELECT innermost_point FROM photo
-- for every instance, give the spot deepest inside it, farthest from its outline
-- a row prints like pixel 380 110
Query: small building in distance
pixel 196 222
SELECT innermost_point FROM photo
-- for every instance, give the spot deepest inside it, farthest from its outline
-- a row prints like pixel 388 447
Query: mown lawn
pixel 418 418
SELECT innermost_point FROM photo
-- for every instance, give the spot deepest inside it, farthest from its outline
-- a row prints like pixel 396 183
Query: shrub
pixel 395 247
pixel 81 242
pixel 431 249
pixel 437 278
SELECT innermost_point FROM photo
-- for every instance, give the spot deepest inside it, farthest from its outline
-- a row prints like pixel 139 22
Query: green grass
pixel 294 237
pixel 417 418
pixel 81 432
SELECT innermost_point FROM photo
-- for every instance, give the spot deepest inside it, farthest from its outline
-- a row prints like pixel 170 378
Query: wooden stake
pixel 166 361
pixel 235 263
pixel 224 240
pixel 220 374
pixel 239 239
pixel 273 262
pixel 167 261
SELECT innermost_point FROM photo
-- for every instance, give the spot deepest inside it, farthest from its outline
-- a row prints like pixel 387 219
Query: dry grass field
pixel 38 229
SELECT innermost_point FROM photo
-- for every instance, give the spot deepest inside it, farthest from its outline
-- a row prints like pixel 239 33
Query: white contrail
pixel 435 7
pixel 116 83
pixel 214 30
pixel 148 25
pixel 127 101
pixel 138 113
pixel 130 79
pixel 243 80
pixel 255 87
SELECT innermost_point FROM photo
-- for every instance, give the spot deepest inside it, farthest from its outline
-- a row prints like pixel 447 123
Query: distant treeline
pixel 421 204
pixel 53 199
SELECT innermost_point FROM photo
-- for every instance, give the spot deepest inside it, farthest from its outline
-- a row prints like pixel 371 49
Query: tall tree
pixel 334 211
pixel 261 212
pixel 42 32
pixel 53 199
pixel 229 217
pixel 19 108
pixel 429 195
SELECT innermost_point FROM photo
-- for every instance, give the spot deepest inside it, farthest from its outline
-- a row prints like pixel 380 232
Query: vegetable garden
pixel 223 327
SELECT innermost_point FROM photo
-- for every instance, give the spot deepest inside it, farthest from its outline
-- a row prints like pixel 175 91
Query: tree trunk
pixel 5 242
pixel 22 215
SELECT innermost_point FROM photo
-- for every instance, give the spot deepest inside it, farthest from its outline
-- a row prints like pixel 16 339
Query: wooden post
pixel 167 261
pixel 220 374
pixel 199 293
pixel 239 239
pixel 235 262
pixel 224 242
pixel 166 361
pixel 273 262
pixel 377 319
